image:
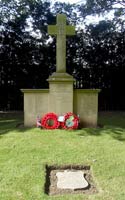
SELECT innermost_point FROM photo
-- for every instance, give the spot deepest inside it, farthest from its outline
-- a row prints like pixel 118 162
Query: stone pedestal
pixel 61 93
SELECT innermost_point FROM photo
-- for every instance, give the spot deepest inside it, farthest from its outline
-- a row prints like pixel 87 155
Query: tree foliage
pixel 114 8
pixel 95 56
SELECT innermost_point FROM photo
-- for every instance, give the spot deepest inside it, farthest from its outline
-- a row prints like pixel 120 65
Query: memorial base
pixel 61 98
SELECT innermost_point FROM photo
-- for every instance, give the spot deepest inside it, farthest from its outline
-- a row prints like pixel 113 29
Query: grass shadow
pixel 114 125
pixel 117 133
pixel 12 121
pixel 116 118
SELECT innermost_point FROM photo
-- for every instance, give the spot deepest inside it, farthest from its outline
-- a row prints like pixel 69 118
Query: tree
pixel 26 58
pixel 95 55
pixel 104 7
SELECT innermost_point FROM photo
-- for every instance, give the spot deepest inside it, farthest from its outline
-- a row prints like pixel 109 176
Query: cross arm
pixel 52 30
pixel 70 30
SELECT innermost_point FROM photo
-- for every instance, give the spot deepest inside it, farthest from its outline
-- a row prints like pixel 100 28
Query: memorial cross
pixel 61 30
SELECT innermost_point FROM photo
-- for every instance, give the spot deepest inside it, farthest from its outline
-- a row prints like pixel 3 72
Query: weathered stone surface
pixel 86 106
pixel 35 104
pixel 71 180
pixel 61 99
pixel 61 30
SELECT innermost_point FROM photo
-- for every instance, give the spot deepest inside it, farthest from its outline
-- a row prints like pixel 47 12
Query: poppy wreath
pixel 50 121
pixel 71 121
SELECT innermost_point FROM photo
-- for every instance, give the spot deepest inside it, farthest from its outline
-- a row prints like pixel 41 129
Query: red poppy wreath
pixel 71 121
pixel 50 121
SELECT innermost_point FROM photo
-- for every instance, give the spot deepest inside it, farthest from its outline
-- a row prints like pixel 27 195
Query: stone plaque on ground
pixel 71 180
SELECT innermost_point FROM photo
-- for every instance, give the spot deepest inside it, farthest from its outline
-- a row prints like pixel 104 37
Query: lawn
pixel 25 152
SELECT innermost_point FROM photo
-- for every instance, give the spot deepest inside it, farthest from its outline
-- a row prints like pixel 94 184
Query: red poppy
pixel 50 121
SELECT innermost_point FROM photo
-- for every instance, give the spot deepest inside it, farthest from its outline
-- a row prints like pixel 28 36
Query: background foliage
pixel 95 55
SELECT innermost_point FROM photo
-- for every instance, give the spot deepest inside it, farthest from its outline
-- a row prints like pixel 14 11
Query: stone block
pixel 35 104
pixel 85 104
pixel 71 180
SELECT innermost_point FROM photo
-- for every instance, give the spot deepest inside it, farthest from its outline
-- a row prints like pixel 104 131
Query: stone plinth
pixel 86 106
pixel 35 104
pixel 61 93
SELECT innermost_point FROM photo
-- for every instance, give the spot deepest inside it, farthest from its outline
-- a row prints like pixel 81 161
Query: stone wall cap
pixel 35 90
pixel 87 90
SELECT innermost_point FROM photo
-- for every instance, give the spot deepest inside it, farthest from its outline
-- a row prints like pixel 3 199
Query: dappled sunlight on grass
pixel 24 153
pixel 7 121
pixel 115 132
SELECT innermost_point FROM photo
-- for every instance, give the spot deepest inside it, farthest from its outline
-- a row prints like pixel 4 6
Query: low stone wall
pixel 61 99
pixel 35 104
pixel 85 104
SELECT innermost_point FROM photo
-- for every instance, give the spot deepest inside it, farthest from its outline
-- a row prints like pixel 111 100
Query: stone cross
pixel 61 30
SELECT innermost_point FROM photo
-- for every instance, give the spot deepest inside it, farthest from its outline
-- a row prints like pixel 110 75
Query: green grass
pixel 25 152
